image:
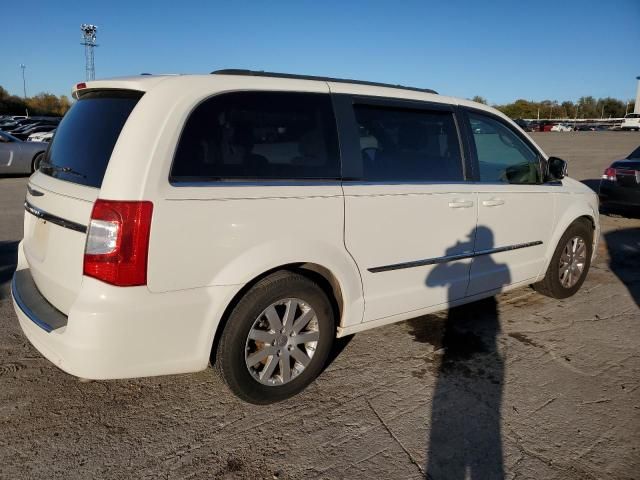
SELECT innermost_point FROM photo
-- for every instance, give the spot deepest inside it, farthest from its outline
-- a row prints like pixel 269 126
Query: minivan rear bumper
pixel 29 299
pixel 115 332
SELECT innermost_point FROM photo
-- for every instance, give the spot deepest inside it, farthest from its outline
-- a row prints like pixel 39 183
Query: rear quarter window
pixel 84 140
pixel 259 136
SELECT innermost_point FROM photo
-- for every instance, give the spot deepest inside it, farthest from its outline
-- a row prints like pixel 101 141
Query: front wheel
pixel 570 262
pixel 277 338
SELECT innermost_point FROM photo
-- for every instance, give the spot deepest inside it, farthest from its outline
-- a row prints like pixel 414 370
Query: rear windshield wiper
pixel 62 169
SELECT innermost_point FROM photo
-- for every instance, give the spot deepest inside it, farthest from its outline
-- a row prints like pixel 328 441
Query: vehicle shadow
pixel 619 211
pixel 465 437
pixel 8 262
pixel 624 258
pixel 15 175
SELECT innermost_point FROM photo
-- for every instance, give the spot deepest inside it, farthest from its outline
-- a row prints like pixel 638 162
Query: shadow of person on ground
pixel 624 258
pixel 8 261
pixel 465 439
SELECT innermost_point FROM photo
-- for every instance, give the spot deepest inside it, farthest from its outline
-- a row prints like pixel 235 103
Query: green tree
pixel 11 104
pixel 480 99
pixel 40 104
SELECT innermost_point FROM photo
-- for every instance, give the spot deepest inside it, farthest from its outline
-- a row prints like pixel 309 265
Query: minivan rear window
pixel 84 140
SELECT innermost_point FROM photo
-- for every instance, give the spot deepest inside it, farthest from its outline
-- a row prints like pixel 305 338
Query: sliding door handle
pixel 460 204
pixel 493 202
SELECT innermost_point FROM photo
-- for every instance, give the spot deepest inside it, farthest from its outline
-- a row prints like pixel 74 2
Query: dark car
pixel 620 184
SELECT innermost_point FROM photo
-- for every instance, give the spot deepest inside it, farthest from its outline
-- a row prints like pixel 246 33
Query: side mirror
pixel 556 168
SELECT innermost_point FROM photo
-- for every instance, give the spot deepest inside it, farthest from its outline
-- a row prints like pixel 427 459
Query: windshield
pixel 85 138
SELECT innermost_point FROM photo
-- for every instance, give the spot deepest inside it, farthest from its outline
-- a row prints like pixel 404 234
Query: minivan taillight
pixel 118 242
pixel 609 174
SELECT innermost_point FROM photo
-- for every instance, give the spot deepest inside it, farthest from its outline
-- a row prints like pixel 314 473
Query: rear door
pixel 409 213
pixel 61 194
pixel 516 210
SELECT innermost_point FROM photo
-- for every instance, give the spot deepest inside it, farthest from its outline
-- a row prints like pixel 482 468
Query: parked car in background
pixel 522 123
pixel 249 217
pixel 36 128
pixel 17 156
pixel 41 136
pixel 562 127
pixel 631 122
pixel 533 126
pixel 620 184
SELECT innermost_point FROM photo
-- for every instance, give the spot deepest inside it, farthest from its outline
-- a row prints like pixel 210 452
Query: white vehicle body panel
pixel 391 224
pixel 515 215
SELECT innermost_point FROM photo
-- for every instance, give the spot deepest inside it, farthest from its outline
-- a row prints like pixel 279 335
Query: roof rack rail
pixel 261 73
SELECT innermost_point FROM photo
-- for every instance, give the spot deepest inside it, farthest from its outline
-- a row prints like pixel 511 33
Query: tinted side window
pixel 408 145
pixel 259 135
pixel 86 136
pixel 502 156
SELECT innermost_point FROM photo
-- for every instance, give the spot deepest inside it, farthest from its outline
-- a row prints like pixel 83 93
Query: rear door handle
pixel 460 204
pixel 493 202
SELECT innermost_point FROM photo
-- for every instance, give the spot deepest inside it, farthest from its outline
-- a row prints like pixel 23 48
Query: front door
pixel 515 209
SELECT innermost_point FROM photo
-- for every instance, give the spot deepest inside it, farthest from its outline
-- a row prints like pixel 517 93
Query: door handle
pixel 460 204
pixel 493 202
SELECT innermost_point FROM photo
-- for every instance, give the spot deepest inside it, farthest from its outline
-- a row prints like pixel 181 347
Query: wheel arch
pixel 323 276
pixel 564 222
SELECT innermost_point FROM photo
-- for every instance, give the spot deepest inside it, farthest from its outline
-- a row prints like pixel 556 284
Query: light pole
pixel 24 82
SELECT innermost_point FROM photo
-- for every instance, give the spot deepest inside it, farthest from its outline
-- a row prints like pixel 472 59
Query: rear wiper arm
pixel 62 169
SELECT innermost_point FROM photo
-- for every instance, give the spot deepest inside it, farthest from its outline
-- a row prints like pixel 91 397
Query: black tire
pixel 230 354
pixel 551 285
pixel 35 165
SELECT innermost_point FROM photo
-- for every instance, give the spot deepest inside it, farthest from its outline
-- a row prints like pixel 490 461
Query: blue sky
pixel 502 50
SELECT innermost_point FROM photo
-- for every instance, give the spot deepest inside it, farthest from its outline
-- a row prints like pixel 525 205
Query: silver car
pixel 17 156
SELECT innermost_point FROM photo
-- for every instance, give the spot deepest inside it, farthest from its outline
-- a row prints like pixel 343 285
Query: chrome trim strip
pixel 451 258
pixel 47 217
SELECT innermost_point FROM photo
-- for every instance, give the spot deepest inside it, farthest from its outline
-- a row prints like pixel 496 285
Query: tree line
pixel 40 104
pixel 586 107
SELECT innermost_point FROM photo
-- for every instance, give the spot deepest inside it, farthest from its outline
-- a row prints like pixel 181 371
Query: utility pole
pixel 24 82
pixel 24 88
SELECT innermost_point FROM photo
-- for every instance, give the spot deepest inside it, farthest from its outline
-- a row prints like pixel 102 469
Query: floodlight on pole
pixel 89 41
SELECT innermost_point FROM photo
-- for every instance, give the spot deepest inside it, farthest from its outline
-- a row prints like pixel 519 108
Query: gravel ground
pixel 522 386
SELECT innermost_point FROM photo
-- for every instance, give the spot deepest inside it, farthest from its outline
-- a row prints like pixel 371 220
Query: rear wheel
pixel 35 165
pixel 277 338
pixel 570 262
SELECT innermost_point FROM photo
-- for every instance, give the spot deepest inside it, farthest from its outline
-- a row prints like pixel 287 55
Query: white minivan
pixel 247 219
